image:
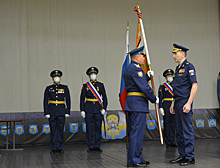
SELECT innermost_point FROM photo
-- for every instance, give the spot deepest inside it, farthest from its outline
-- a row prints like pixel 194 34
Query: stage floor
pixel 207 154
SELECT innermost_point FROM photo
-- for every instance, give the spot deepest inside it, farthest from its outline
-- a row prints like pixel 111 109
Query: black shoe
pixel 187 162
pixel 177 160
pixel 145 162
pixel 60 151
pixel 98 149
pixel 138 165
pixel 52 152
pixel 90 150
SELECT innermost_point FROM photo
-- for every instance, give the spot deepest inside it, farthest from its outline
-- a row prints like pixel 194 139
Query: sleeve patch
pixel 140 74
pixel 191 72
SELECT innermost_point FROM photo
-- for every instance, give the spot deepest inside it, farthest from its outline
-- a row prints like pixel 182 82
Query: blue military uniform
pixel 184 76
pixel 139 92
pixel 165 94
pixel 218 88
pixel 92 107
pixel 57 104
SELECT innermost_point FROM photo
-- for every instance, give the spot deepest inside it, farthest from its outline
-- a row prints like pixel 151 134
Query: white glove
pixel 83 114
pixel 157 100
pixel 47 116
pixel 67 115
pixel 162 111
pixel 103 111
pixel 150 72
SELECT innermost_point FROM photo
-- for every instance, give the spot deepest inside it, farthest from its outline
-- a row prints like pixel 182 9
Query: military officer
pixel 184 87
pixel 139 92
pixel 56 108
pixel 93 104
pixel 165 94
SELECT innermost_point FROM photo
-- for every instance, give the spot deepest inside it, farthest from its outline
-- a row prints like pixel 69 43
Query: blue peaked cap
pixel 92 70
pixel 56 73
pixel 168 72
pixel 177 48
pixel 136 51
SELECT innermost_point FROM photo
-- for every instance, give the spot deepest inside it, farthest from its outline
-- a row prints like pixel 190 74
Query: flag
pixel 139 43
pixel 123 94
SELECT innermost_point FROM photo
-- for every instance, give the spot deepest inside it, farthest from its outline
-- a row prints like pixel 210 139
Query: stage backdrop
pixel 34 128
pixel 38 36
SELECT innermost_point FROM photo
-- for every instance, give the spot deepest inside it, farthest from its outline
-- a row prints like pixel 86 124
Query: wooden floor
pixel 207 155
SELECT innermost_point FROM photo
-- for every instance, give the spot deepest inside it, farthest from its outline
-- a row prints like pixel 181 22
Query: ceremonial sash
pixel 95 92
pixel 169 88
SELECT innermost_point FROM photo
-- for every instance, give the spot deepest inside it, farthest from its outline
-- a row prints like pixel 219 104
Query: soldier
pixel 165 94
pixel 56 108
pixel 184 87
pixel 93 104
pixel 139 92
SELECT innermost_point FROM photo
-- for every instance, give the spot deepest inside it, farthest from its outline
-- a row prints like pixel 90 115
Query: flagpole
pixel 149 64
pixel 126 113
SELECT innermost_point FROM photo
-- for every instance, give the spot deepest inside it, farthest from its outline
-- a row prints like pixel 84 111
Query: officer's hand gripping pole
pixel 149 64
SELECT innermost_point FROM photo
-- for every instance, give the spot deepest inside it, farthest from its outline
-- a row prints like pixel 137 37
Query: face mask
pixel 93 77
pixel 56 80
pixel 170 79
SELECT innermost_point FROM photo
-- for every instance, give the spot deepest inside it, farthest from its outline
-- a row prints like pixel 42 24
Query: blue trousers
pixel 93 129
pixel 169 125
pixel 136 128
pixel 57 132
pixel 184 130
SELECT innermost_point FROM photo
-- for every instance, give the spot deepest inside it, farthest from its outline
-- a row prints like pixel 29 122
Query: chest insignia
pixel 140 74
pixel 51 90
pixel 60 90
pixel 181 70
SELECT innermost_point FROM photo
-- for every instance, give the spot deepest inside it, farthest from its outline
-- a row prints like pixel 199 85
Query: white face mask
pixel 56 79
pixel 93 77
pixel 170 79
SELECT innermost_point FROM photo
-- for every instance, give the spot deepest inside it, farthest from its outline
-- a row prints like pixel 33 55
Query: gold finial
pixel 138 7
pixel 127 25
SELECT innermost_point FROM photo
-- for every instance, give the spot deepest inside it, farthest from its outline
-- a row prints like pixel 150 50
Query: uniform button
pixel 56 88
pixel 56 104
pixel 56 92
pixel 56 96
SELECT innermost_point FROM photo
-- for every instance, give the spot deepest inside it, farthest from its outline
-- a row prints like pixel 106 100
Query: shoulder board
pixel 187 63
pixel 137 65
pixel 99 82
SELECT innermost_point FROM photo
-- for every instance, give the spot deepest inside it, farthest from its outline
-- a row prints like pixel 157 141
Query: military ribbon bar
pixel 169 88
pixel 95 92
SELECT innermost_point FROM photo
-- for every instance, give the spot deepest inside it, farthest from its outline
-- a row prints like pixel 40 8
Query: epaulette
pixel 137 65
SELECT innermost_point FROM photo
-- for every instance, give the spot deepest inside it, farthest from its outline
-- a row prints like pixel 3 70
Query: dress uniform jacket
pixel 136 81
pixel 165 100
pixel 184 76
pixel 139 92
pixel 57 100
pixel 92 108
pixel 89 106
